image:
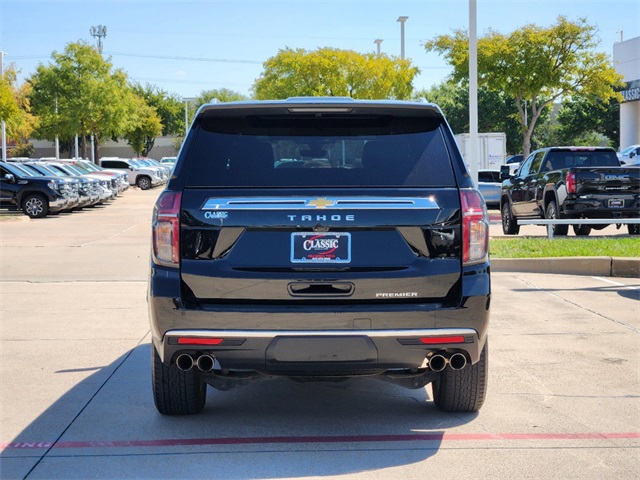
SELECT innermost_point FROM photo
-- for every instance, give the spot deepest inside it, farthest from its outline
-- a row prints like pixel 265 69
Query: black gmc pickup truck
pixel 319 239
pixel 572 183
pixel 35 196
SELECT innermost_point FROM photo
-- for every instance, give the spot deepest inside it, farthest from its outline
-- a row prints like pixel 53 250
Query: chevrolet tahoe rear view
pixel 319 239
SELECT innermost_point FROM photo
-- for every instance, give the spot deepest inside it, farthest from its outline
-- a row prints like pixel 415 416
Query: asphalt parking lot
pixel 75 389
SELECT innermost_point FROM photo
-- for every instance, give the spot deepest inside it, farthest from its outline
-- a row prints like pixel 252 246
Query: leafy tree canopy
pixel 8 103
pixel 333 72
pixel 15 108
pixel 80 93
pixel 220 94
pixel 169 107
pixel 496 111
pixel 535 66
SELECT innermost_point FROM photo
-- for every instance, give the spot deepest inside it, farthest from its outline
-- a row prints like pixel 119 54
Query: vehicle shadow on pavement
pixel 276 429
pixel 625 291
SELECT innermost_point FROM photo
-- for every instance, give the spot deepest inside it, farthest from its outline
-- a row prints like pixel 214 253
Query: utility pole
pixel 100 31
pixel 4 127
pixel 402 20
pixel 378 41
pixel 473 92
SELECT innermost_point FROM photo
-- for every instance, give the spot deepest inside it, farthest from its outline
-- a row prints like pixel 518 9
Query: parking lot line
pixel 630 287
pixel 422 437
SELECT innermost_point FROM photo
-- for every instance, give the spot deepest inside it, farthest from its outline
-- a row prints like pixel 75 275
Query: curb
pixel 592 266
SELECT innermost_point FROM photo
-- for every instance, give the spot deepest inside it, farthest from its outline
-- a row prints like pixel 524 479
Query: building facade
pixel 626 59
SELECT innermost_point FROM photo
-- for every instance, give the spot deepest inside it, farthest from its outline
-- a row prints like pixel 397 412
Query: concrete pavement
pixel 75 389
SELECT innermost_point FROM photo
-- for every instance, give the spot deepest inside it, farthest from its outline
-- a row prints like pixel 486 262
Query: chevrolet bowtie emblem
pixel 320 203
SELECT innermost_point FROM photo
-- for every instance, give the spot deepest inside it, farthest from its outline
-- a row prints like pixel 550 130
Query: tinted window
pixel 297 151
pixel 489 177
pixel 557 160
pixel 114 164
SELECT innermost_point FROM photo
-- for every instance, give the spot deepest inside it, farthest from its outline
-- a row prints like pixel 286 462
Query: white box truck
pixel 492 149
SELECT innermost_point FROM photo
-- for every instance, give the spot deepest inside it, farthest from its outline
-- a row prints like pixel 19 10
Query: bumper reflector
pixel 199 341
pixel 442 340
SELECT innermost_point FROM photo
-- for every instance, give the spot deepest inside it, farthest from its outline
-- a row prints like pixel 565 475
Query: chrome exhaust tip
pixel 184 362
pixel 205 363
pixel 457 361
pixel 437 362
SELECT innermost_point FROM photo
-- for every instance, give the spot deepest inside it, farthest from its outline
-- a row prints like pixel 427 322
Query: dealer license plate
pixel 312 247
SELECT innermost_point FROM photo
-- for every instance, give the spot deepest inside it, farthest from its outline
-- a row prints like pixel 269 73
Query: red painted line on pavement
pixel 423 437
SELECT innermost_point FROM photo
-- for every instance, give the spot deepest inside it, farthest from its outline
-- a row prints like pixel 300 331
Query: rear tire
pixel 463 390
pixel 553 214
pixel 509 224
pixel 176 392
pixel 582 230
pixel 634 229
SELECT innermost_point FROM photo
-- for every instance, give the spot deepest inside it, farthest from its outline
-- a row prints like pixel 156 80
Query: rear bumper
pixel 624 206
pixel 321 351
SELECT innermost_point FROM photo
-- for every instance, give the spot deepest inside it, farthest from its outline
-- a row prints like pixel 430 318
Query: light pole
pixel 99 32
pixel 473 91
pixel 378 41
pixel 402 20
pixel 4 127
pixel 186 101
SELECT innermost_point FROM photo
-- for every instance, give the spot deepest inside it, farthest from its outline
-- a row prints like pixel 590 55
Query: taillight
pixel 166 229
pixel 475 227
pixel 571 182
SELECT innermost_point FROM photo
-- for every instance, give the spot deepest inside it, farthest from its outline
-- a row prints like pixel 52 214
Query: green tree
pixel 496 111
pixel 145 126
pixel 15 109
pixel 333 72
pixel 80 93
pixel 9 107
pixel 580 115
pixel 535 66
pixel 159 113
pixel 220 94
pixel 169 107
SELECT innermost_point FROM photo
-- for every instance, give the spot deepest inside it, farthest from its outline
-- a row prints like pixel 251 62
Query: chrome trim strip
pixel 334 203
pixel 432 332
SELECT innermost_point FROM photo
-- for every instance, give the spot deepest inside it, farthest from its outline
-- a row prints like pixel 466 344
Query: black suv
pixel 35 196
pixel 319 239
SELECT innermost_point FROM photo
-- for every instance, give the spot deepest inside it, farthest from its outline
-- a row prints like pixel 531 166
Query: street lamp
pixel 186 101
pixel 378 41
pixel 402 20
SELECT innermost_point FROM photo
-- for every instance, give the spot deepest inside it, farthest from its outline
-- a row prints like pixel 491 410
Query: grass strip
pixel 527 247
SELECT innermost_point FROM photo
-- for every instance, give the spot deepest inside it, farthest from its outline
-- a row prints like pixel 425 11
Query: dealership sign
pixel 631 93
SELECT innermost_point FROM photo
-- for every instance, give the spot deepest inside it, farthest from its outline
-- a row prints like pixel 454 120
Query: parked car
pixel 169 161
pixel 570 183
pixel 120 183
pixel 151 163
pixel 73 192
pixel 100 185
pixel 369 258
pixel 630 155
pixel 35 196
pixel 139 175
pixel 490 186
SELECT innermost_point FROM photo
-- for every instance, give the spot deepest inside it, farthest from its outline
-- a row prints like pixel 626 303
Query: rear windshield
pixel 557 160
pixel 300 151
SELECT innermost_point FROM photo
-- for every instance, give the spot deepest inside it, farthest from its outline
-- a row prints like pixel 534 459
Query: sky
pixel 186 47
